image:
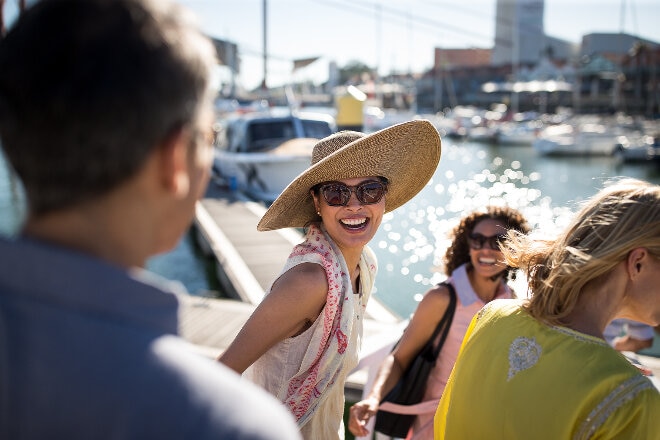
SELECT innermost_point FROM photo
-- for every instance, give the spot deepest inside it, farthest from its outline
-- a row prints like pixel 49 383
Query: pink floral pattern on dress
pixel 342 341
pixel 305 390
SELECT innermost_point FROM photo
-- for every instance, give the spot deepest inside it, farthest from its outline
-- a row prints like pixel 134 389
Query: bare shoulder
pixel 436 298
pixel 307 275
pixel 305 285
pixel 424 320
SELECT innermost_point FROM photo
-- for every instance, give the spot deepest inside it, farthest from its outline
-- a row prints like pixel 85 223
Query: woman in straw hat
pixel 302 340
pixel 540 368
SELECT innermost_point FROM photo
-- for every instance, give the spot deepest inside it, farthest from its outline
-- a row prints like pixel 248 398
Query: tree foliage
pixel 355 72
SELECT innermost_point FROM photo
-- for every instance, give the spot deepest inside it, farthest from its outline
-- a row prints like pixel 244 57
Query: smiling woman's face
pixel 487 261
pixel 352 225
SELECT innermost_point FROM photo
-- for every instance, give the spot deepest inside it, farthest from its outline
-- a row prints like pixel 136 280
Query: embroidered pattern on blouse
pixel 622 394
pixel 579 337
pixel 485 309
pixel 524 353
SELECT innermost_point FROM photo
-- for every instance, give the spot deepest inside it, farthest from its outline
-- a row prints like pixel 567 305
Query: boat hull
pixel 262 176
pixel 260 154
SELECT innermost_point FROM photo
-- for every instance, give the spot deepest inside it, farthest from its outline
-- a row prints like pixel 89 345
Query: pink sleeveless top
pixel 467 305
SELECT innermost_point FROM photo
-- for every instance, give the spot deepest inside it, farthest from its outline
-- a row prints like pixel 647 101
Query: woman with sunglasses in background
pixel 302 340
pixel 476 271
pixel 538 367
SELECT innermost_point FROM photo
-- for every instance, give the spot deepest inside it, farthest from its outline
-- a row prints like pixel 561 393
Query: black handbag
pixel 410 388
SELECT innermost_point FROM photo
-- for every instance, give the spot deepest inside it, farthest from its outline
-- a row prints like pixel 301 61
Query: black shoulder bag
pixel 410 388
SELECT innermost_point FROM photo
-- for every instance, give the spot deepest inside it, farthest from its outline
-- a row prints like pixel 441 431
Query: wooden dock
pixel 247 262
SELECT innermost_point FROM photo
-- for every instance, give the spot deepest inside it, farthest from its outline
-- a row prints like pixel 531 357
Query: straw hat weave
pixel 407 154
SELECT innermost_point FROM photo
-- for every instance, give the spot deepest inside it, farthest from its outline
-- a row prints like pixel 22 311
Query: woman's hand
pixel 359 416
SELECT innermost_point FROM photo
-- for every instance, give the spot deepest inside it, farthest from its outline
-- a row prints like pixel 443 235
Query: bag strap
pixel 443 325
pixel 446 320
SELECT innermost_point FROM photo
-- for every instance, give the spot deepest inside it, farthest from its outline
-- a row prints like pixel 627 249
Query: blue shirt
pixel 88 350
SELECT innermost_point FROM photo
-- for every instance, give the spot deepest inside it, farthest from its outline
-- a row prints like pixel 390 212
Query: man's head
pixel 90 88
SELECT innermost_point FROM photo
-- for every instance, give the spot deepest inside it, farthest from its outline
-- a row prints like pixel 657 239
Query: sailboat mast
pixel 265 54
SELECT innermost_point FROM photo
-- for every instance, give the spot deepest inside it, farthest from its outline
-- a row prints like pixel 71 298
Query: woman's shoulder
pixel 502 308
pixel 437 296
pixel 305 276
pixel 307 272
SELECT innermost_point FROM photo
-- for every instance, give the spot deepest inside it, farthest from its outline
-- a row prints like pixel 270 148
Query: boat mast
pixel 265 54
pixel 515 59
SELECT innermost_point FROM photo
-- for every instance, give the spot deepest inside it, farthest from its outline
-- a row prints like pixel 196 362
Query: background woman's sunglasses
pixel 477 241
pixel 338 194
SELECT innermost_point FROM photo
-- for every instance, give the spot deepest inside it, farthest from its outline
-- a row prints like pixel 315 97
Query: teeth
pixel 353 221
pixel 488 260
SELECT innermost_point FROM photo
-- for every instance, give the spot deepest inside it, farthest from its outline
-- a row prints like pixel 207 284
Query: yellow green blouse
pixel 517 378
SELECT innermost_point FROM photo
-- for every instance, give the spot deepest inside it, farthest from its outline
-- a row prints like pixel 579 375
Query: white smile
pixel 354 221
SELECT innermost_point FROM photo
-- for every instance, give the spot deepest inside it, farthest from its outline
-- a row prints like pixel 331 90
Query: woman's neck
pixel 486 288
pixel 595 308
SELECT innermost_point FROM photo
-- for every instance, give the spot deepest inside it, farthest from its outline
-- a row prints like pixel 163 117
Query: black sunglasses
pixel 338 194
pixel 477 241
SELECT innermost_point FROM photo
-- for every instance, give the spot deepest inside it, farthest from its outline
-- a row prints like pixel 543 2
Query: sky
pixel 391 35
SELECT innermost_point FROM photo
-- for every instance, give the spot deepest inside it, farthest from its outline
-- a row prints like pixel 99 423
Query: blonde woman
pixel 540 368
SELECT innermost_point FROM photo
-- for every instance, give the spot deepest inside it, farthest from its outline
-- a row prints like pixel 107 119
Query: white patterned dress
pixel 308 372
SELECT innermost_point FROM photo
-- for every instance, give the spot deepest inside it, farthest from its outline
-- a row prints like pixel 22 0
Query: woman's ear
pixel 635 261
pixel 315 198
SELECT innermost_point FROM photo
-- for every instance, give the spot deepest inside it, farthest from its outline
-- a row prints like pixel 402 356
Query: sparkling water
pixel 412 239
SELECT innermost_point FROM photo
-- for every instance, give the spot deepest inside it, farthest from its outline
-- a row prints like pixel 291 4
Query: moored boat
pixel 260 154
pixel 638 148
pixel 581 137
pixel 518 133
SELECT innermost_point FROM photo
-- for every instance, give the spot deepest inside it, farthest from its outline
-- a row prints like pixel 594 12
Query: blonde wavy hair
pixel 622 216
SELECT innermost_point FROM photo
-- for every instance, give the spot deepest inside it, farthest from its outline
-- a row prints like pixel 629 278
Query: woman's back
pixel 550 382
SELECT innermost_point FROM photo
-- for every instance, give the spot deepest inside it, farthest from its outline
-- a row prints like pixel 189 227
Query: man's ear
pixel 174 162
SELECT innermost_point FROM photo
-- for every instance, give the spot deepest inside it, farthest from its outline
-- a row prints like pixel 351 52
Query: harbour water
pixel 412 240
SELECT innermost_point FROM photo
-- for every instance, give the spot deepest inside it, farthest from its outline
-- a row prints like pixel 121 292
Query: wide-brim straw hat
pixel 407 154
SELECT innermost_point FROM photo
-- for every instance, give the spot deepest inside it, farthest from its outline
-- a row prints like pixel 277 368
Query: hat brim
pixel 407 154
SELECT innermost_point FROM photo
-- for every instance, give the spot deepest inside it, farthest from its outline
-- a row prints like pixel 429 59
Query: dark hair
pixel 459 251
pixel 88 88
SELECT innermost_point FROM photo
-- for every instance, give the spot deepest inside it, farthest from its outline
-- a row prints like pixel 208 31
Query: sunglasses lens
pixel 336 195
pixel 477 241
pixel 370 192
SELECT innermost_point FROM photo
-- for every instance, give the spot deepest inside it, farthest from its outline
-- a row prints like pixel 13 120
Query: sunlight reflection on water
pixel 412 240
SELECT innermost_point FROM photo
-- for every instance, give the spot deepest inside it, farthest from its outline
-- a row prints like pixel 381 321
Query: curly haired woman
pixel 476 271
pixel 539 367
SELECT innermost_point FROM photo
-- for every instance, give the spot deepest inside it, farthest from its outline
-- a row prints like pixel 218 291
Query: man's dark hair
pixel 89 87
